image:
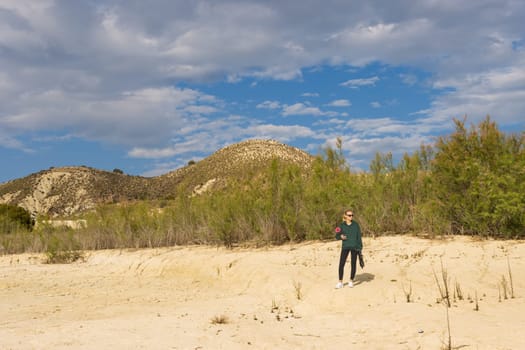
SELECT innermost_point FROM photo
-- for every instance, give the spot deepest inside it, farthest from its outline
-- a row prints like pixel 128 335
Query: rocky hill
pixel 234 163
pixel 69 190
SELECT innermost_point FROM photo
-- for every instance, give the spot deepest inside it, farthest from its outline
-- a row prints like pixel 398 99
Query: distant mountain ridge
pixel 65 191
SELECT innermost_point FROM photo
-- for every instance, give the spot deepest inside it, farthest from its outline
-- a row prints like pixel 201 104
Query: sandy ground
pixel 269 298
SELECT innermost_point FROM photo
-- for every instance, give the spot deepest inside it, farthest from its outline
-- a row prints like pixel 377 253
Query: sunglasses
pixel 349 214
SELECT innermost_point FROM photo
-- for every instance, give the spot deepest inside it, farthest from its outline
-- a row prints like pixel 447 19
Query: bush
pixel 63 250
pixel 13 218
pixel 478 177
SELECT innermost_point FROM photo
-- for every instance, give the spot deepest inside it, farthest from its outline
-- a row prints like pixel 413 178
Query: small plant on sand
pixel 448 344
pixel 63 251
pixel 63 257
pixel 220 319
pixel 476 308
pixel 275 307
pixel 510 279
pixel 457 291
pixel 298 290
pixel 443 289
pixel 408 293
pixel 504 287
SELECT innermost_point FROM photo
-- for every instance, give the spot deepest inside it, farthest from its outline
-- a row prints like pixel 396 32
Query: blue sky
pixel 146 86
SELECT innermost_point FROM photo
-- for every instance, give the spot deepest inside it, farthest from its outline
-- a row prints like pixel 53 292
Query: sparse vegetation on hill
pixel 235 163
pixel 69 190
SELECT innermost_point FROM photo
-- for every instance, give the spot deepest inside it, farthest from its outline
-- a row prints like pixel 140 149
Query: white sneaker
pixel 339 285
pixel 350 284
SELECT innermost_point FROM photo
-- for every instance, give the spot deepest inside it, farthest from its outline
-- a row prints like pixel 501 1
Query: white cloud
pixel 375 104
pixel 283 133
pixel 141 117
pixel 356 83
pixel 376 127
pixel 163 168
pixel 204 40
pixel 9 142
pixel 278 73
pixel 340 103
pixel 368 147
pixel 138 152
pixel 269 105
pixel 409 79
pixel 310 94
pixel 304 109
pixel 499 93
pixel 301 109
pixel 200 109
pixel 233 78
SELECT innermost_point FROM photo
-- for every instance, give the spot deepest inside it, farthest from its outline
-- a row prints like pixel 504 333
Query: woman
pixel 349 233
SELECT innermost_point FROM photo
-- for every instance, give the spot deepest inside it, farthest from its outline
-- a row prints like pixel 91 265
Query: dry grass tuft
pixel 408 293
pixel 298 290
pixel 443 289
pixel 220 319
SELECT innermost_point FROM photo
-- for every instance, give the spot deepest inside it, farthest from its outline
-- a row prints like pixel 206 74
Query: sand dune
pixel 270 298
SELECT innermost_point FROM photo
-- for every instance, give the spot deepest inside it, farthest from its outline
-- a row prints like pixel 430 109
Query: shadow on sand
pixel 363 277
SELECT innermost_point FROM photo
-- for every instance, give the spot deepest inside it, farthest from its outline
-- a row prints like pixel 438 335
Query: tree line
pixel 470 182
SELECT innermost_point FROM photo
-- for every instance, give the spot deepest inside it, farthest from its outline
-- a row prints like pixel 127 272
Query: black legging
pixel 353 262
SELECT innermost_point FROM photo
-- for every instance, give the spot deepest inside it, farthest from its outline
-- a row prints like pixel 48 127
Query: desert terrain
pixel 202 297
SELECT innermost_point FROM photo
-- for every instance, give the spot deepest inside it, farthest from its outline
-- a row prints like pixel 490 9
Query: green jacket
pixel 353 235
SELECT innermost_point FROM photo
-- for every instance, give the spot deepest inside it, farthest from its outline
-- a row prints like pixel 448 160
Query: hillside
pixel 66 191
pixel 233 163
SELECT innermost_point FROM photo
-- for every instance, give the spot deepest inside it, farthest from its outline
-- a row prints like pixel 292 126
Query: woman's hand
pixel 343 237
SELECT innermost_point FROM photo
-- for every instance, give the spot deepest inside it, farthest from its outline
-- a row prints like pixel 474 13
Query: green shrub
pixel 63 249
pixel 13 218
pixel 479 180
